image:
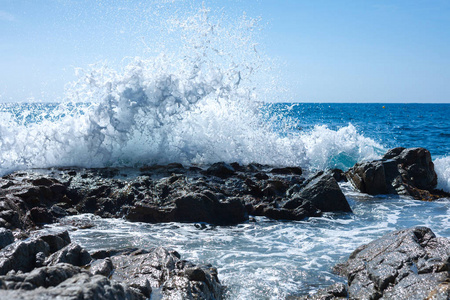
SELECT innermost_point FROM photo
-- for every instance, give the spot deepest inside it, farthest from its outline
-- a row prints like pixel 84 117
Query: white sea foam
pixel 442 168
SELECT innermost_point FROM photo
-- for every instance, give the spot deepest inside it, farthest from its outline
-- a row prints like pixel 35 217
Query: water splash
pixel 196 104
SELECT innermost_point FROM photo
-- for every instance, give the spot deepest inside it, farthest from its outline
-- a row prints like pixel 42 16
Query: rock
pixel 207 208
pixel 324 193
pixel 82 285
pixel 21 256
pixel 336 291
pixel 41 215
pixel 287 171
pixel 405 264
pixel 164 270
pixel 6 237
pixel 401 171
pixel 56 241
pixel 221 169
pixel 72 254
pixel 103 267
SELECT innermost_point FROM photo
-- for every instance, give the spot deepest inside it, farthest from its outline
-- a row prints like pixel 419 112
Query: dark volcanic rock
pixel 221 169
pixel 6 237
pixel 324 193
pixel 405 264
pixel 118 274
pixel 401 171
pixel 165 270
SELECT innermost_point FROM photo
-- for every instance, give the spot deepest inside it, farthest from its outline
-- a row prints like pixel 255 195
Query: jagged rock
pixel 207 208
pixel 337 291
pixel 56 241
pixel 221 169
pixel 287 171
pixel 6 237
pixel 401 171
pixel 81 285
pixel 165 270
pixel 72 254
pixel 324 193
pixel 21 256
pixel 405 264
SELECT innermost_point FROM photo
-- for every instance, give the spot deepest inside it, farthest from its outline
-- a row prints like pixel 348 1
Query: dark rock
pixel 103 267
pixel 405 264
pixel 221 169
pixel 401 171
pixel 40 215
pixel 21 256
pixel 6 237
pixel 202 208
pixel 72 254
pixel 163 269
pixel 82 285
pixel 324 193
pixel 56 241
pixel 287 171
pixel 336 291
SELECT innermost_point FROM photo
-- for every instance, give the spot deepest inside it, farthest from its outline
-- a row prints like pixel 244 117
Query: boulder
pixel 6 237
pixel 401 171
pixel 324 193
pixel 221 169
pixel 405 264
pixel 164 270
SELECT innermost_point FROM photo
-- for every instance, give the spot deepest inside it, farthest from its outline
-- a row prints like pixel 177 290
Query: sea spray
pixel 197 104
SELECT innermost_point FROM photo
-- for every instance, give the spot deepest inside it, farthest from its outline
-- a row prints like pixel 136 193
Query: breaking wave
pixel 196 105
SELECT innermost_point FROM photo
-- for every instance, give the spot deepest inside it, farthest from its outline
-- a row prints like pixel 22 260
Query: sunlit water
pixel 270 259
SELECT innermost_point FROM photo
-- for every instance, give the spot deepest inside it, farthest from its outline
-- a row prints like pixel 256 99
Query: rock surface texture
pixel 51 267
pixel 223 194
pixel 401 171
pixel 405 264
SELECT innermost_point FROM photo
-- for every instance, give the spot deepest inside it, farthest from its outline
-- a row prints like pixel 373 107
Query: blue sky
pixel 333 51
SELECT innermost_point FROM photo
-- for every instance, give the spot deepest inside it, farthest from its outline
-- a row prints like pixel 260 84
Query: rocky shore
pixel 34 266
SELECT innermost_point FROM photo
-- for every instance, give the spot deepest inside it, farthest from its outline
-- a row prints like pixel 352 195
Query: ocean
pixel 207 98
pixel 265 259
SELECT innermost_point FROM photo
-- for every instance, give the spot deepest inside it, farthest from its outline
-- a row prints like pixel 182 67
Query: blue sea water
pixel 265 259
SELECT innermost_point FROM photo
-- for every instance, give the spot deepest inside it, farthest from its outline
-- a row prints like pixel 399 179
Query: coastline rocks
pixel 31 270
pixel 405 264
pixel 401 171
pixel 223 194
pixel 324 193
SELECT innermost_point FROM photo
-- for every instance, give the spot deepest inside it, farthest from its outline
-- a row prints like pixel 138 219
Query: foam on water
pixel 442 168
pixel 197 104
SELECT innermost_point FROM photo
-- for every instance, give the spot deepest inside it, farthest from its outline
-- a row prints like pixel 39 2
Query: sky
pixel 328 50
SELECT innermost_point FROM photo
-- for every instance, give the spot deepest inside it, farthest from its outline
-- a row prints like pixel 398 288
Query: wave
pixel 198 106
pixel 442 168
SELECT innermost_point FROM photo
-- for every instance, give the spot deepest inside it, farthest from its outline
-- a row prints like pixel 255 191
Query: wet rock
pixel 324 193
pixel 163 269
pixel 103 267
pixel 287 171
pixel 56 241
pixel 82 285
pixel 401 171
pixel 196 207
pixel 72 254
pixel 405 264
pixel 221 169
pixel 21 256
pixel 334 292
pixel 40 215
pixel 6 237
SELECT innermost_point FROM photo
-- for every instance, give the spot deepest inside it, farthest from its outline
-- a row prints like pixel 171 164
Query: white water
pixel 196 103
